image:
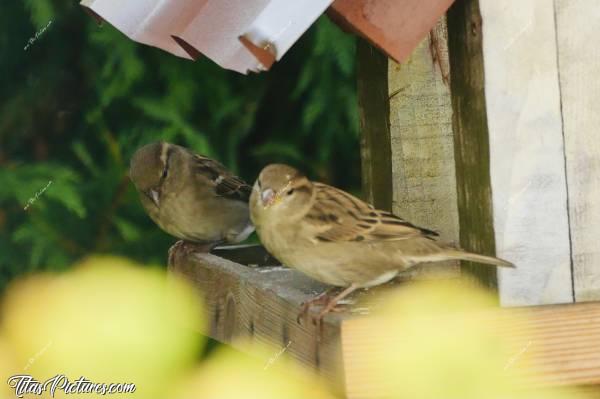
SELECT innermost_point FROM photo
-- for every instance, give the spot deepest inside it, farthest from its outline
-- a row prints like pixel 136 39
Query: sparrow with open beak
pixel 338 239
pixel 191 197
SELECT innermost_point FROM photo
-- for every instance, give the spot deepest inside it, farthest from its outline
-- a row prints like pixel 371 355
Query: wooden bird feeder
pixel 486 131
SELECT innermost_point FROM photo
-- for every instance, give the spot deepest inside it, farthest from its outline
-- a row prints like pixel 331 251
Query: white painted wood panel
pixel 578 35
pixel 526 151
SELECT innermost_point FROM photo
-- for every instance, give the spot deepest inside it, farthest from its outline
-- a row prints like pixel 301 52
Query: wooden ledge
pixel 262 302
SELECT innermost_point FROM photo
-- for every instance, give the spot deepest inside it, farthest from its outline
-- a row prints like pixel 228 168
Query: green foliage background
pixel 77 103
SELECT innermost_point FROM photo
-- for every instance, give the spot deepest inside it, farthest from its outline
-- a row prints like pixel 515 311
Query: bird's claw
pixel 321 299
pixel 175 248
pixel 185 248
pixel 316 320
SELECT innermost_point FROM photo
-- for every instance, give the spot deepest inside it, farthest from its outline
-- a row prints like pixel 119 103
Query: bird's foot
pixel 331 305
pixel 185 248
pixel 320 300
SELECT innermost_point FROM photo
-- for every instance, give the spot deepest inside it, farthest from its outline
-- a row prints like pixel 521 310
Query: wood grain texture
pixel 564 339
pixel 558 343
pixel 526 150
pixel 578 26
pixel 374 117
pixel 261 304
pixel 471 145
pixel 423 166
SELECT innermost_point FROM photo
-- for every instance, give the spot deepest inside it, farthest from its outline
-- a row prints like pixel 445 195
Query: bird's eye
pixel 290 191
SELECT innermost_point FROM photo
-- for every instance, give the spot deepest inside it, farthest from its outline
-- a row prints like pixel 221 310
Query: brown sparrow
pixel 190 196
pixel 338 239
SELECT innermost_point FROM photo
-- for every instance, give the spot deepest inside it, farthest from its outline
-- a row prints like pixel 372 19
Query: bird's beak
pixel 267 197
pixel 154 195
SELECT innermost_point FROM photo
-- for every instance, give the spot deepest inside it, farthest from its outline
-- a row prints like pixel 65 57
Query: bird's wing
pixel 339 216
pixel 225 183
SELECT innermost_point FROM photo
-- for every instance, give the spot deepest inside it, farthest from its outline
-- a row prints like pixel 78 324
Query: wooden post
pixel 423 169
pixel 471 134
pixel 374 112
pixel 440 162
pixel 439 138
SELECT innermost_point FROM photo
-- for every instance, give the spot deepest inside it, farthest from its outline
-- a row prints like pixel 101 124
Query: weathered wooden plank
pixel 525 149
pixel 374 113
pixel 564 339
pixel 248 254
pixel 578 26
pixel 423 166
pixel 261 303
pixel 560 343
pixel 471 145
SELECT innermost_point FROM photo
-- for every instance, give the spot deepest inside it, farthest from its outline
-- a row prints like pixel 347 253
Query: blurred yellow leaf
pixel 230 375
pixel 442 340
pixel 109 321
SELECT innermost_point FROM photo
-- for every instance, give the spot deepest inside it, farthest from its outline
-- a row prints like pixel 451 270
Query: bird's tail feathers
pixel 471 257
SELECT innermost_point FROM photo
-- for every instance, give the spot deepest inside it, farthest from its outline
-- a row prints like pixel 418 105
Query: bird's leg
pixel 173 251
pixel 184 248
pixel 331 304
pixel 321 299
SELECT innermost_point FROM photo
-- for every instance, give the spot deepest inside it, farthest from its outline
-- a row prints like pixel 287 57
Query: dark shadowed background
pixel 77 99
